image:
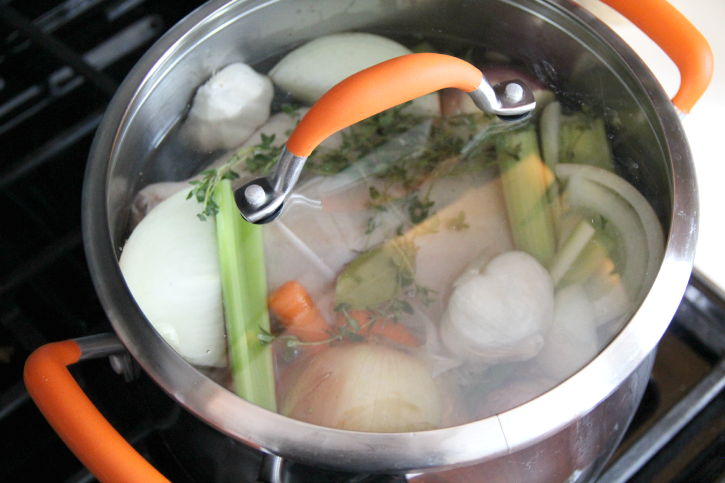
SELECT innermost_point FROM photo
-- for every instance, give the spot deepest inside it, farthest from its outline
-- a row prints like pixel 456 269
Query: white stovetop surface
pixel 705 125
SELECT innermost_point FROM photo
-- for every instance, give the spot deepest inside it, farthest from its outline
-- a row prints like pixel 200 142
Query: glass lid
pixel 433 266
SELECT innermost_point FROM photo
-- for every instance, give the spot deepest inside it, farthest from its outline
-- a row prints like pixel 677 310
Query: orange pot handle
pixel 680 40
pixel 377 88
pixel 77 421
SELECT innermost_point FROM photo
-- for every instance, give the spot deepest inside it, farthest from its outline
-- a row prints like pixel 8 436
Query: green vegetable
pixel 583 140
pixel 377 276
pixel 571 250
pixel 590 258
pixel 578 138
pixel 628 215
pixel 549 129
pixel 406 151
pixel 244 292
pixel 259 158
pixel 526 185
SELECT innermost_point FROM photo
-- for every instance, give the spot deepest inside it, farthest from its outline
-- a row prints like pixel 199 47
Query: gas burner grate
pixel 59 66
pixel 684 437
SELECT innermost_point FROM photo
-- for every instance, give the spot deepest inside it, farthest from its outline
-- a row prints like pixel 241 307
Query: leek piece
pixel 543 98
pixel 583 140
pixel 570 251
pixel 587 263
pixel 549 126
pixel 595 198
pixel 244 292
pixel 526 185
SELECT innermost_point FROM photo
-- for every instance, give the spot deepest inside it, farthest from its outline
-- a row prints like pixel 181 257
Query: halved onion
pixel 171 266
pixel 364 387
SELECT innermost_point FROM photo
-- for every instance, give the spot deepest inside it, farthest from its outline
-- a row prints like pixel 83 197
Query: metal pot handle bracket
pixel 679 39
pixel 81 426
pixel 74 417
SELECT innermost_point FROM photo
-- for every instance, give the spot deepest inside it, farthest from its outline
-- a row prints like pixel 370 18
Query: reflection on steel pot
pixel 566 433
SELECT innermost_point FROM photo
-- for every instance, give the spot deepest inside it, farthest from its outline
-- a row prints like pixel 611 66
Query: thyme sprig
pixel 261 157
pixel 452 147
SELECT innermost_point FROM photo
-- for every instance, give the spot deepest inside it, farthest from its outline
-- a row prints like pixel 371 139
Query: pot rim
pixel 481 440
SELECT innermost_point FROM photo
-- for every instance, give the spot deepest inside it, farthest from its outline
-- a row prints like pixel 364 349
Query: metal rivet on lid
pixel 255 194
pixel 514 92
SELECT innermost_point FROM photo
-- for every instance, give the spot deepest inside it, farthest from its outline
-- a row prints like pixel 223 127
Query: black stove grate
pixel 59 66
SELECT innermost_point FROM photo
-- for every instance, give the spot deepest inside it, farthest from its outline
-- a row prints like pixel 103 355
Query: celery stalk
pixel 549 126
pixel 570 250
pixel 583 140
pixel 526 183
pixel 244 292
pixel 587 263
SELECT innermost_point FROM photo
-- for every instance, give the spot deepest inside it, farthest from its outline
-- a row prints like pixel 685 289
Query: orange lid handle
pixel 77 421
pixel 377 88
pixel 680 40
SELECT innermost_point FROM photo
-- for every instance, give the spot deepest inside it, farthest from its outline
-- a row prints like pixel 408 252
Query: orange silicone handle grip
pixel 680 40
pixel 377 88
pixel 77 421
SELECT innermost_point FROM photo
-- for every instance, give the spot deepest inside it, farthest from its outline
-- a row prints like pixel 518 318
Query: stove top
pixel 59 67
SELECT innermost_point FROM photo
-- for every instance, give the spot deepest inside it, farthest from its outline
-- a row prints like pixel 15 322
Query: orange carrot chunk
pixel 392 330
pixel 296 311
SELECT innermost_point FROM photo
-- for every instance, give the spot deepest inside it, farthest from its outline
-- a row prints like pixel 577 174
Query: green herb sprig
pixel 260 157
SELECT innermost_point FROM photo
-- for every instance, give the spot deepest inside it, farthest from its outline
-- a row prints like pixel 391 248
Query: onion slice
pixel 363 387
pixel 601 192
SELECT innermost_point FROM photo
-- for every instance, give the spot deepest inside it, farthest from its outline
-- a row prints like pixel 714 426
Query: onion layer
pixel 170 264
pixel 364 387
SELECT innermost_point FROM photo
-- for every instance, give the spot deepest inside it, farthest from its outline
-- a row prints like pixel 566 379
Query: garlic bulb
pixel 228 108
pixel 364 387
pixel 171 266
pixel 500 313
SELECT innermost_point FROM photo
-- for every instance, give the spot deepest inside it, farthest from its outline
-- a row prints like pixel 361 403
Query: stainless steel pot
pixel 565 47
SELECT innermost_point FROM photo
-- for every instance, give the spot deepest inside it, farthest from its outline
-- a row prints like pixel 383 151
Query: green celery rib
pixel 583 140
pixel 571 250
pixel 244 291
pixel 525 189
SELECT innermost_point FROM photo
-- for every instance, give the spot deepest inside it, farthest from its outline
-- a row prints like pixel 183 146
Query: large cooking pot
pixel 566 433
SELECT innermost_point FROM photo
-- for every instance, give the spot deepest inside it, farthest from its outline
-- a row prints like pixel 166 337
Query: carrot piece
pixel 392 330
pixel 296 311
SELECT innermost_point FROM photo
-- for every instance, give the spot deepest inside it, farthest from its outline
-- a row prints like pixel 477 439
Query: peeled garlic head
pixel 228 108
pixel 171 266
pixel 501 313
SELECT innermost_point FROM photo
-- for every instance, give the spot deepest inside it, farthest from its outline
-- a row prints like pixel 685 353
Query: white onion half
pixel 364 387
pixel 170 264
pixel 314 68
